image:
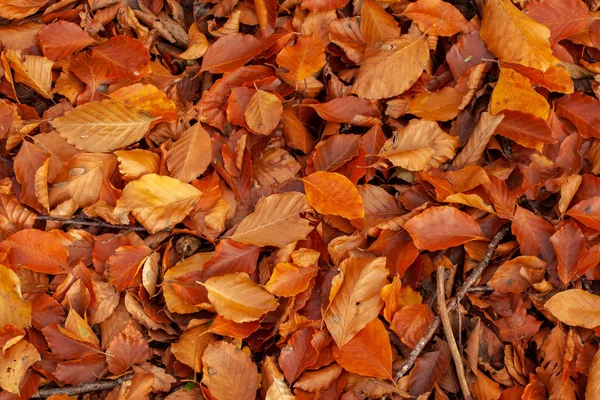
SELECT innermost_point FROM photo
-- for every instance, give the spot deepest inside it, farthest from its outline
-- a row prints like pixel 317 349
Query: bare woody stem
pixel 443 313
pixel 410 361
pixel 89 222
pixel 83 388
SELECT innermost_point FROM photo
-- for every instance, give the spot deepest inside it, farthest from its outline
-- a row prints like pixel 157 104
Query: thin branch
pixel 83 388
pixel 443 313
pixel 87 222
pixel 480 289
pixel 475 274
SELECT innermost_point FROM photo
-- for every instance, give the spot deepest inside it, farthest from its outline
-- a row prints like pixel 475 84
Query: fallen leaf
pixel 331 193
pixel 356 300
pixel 237 298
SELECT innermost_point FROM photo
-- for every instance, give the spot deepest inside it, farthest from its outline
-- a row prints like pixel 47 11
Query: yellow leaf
pixel 198 44
pixel 263 113
pixel 148 98
pixel 82 178
pixel 393 68
pixel 136 163
pixel 157 202
pixel 191 154
pixel 33 71
pixel 238 298
pixel 14 362
pixel 513 91
pixel 276 221
pixel 421 145
pixel 514 37
pixel 103 126
pixel 356 297
pixel 13 308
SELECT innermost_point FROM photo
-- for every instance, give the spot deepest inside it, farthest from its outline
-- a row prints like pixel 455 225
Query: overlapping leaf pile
pixel 231 199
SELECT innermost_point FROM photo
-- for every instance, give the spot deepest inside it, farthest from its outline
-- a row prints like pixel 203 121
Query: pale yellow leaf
pixel 103 126
pixel 157 202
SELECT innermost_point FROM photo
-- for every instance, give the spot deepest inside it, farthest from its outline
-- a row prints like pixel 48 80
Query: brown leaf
pixel 264 112
pixel 428 370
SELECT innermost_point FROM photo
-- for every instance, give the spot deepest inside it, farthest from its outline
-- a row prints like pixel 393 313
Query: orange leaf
pixel 410 323
pixel 61 39
pixel 355 298
pixel 509 277
pixel 582 111
pixel 305 58
pixel 224 327
pixel 219 360
pixel 436 17
pixel 437 106
pixel 369 353
pixel 514 92
pixel 563 17
pixel 421 145
pixel 503 23
pixel 266 12
pixel 230 52
pixel 288 279
pixel 348 110
pixel 126 349
pixel 533 234
pixel 527 130
pixel 127 58
pixel 587 212
pixel 191 154
pixel 123 266
pixel 20 9
pixel 330 193
pixel 438 228
pixel 38 251
pixel 570 246
pixel 192 343
pixel 323 5
pixel 148 98
pixel 317 381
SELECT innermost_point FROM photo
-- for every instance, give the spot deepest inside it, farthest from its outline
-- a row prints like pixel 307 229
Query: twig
pixel 83 388
pixel 410 361
pixel 443 313
pixel 480 289
pixel 85 222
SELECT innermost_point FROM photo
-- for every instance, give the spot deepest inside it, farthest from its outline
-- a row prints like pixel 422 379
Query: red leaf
pixel 570 246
